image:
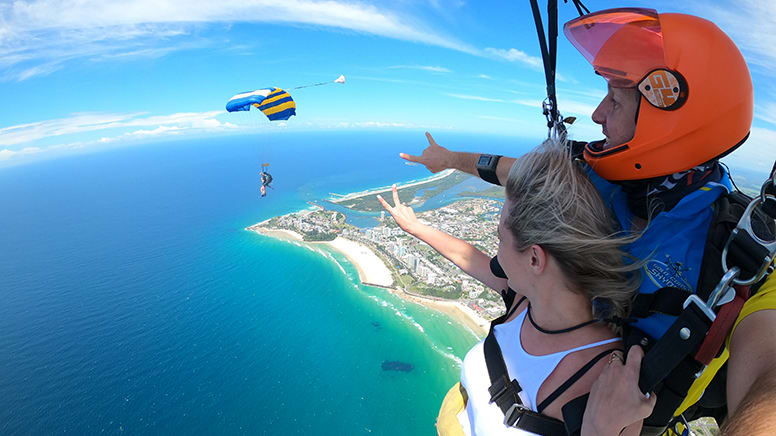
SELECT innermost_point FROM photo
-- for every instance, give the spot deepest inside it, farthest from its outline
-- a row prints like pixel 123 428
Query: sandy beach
pixel 279 233
pixel 372 270
pixel 454 309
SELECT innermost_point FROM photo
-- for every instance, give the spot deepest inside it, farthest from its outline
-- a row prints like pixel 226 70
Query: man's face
pixel 617 115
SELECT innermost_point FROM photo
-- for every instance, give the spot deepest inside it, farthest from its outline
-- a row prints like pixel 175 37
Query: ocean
pixel 134 302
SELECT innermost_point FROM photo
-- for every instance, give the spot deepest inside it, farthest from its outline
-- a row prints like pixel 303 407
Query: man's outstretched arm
pixel 751 378
pixel 437 158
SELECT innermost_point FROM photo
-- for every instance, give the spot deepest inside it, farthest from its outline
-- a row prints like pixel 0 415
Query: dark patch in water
pixel 395 365
pixel 376 325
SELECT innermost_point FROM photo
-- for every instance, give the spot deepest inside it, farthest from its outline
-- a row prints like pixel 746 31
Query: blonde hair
pixel 555 205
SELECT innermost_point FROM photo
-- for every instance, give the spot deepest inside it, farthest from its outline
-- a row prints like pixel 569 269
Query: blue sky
pixel 84 75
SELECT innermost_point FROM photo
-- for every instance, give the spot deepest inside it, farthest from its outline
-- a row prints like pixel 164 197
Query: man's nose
pixel 599 113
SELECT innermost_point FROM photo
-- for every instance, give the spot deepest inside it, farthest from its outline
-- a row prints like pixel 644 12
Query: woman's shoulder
pixel 585 365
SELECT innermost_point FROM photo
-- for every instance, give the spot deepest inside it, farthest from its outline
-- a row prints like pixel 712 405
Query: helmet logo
pixel 664 89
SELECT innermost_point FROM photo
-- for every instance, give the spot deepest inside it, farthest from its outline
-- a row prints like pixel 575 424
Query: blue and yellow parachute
pixel 275 103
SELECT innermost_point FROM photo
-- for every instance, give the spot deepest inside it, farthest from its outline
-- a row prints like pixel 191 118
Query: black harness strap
pixel 549 55
pixel 505 391
pixel 666 300
pixel 573 379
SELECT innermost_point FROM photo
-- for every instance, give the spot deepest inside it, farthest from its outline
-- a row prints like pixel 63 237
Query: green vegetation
pixel 449 292
pixel 316 236
pixel 495 192
pixel 369 203
pixel 489 295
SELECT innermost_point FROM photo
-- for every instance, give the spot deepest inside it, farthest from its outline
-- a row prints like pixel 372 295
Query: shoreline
pixel 372 271
pixel 344 197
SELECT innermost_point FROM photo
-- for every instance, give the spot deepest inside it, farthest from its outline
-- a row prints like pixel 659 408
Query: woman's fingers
pixel 384 203
pixel 396 201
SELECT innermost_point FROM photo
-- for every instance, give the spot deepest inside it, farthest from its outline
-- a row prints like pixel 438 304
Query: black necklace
pixel 557 332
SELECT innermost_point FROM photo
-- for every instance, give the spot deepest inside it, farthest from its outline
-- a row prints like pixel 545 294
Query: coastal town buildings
pixel 419 269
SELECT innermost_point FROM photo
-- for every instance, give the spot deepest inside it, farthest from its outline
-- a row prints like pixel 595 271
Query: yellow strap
pixel 764 299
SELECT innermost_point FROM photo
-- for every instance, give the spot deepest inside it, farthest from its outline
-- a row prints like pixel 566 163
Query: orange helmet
pixel 696 92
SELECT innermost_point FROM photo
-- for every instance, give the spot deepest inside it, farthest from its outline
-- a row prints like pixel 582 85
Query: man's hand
pixel 434 157
pixel 403 214
pixel 615 399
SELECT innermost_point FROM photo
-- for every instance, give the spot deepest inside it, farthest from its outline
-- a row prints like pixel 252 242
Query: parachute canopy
pixel 275 103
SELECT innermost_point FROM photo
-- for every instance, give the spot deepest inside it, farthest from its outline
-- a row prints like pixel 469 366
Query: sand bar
pixel 338 198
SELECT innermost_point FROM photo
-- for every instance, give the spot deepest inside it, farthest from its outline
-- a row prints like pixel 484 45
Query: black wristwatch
pixel 486 167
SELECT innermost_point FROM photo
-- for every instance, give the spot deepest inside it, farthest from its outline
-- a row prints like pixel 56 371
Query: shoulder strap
pixel 505 391
pixel 573 379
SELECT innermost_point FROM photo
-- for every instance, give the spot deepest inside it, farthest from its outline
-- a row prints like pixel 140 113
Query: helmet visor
pixel 623 44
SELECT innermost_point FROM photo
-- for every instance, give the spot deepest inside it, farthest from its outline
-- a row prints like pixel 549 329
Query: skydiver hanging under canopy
pixel 277 105
pixel 266 179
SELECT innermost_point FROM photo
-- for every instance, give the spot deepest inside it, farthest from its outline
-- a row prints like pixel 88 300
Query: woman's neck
pixel 557 307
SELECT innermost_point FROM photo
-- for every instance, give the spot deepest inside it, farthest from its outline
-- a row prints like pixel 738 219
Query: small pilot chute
pixel 275 103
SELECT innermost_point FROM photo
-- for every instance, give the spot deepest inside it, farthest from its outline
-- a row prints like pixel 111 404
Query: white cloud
pixel 474 97
pixel 766 112
pixel 484 76
pixel 566 106
pixel 92 122
pixel 38 36
pixel 751 27
pixel 758 153
pixel 495 118
pixel 376 124
pixel 431 68
pixel 6 154
pixel 161 130
pixel 515 55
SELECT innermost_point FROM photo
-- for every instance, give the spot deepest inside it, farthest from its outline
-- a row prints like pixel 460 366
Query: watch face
pixel 484 161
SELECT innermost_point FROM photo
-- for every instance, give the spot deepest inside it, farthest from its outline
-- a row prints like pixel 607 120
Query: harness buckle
pixel 499 388
pixel 555 126
pixel 745 225
pixel 701 305
pixel 764 190
pixel 514 408
pixel 722 292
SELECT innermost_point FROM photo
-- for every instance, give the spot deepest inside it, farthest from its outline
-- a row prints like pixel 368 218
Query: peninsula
pixel 387 257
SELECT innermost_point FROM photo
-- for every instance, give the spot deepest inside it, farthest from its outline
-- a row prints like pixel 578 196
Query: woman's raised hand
pixel 403 214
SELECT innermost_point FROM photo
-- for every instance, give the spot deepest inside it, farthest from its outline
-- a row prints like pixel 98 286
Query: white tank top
pixel 484 418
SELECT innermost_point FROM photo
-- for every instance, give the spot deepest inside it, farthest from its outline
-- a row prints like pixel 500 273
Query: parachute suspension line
pixel 550 104
pixel 555 126
pixel 580 7
pixel 340 79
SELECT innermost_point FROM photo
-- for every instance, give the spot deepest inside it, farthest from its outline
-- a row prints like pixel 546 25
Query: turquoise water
pixel 135 303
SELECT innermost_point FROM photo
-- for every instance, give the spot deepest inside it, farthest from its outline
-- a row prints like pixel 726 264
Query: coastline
pixel 338 198
pixel 372 271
